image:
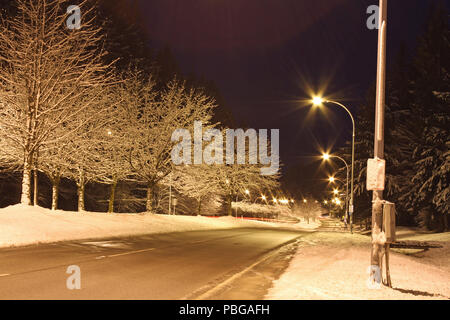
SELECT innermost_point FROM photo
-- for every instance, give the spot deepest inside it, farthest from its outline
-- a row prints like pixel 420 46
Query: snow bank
pixel 24 225
pixel 334 266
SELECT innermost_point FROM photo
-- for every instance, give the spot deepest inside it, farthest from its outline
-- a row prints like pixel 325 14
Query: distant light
pixel 325 202
pixel 275 200
pixel 109 132
pixel 292 201
pixel 305 201
pixel 336 191
pixel 326 156
pixel 227 181
pixel 263 197
pixel 247 192
pixel 332 179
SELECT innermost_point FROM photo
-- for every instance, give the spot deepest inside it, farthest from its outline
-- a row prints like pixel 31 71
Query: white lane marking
pixel 131 252
pixel 124 253
pixel 4 275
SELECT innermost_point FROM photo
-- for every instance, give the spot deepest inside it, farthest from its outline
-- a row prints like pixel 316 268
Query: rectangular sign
pixel 376 171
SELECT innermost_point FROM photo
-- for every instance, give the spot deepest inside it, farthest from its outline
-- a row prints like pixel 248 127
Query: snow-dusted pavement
pixel 25 225
pixel 182 265
pixel 334 266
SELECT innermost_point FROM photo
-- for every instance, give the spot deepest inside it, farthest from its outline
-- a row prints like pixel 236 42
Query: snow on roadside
pixel 24 225
pixel 338 270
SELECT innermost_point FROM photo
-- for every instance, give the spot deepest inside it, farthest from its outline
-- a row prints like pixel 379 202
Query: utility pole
pixel 377 201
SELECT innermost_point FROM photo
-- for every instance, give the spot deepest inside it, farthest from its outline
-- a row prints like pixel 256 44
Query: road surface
pixel 166 266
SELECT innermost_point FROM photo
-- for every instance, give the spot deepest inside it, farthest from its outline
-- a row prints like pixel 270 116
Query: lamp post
pixel 327 156
pixel 317 101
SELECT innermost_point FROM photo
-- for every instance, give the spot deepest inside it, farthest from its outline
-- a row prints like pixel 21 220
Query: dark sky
pixel 267 55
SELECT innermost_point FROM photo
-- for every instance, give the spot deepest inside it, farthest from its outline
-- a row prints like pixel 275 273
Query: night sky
pixel 266 56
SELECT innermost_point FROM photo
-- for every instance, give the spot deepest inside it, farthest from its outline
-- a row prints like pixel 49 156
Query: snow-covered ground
pixel 24 225
pixel 334 266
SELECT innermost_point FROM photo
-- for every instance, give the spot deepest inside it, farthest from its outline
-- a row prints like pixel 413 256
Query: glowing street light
pixel 319 101
pixel 327 156
pixel 247 192
pixel 336 191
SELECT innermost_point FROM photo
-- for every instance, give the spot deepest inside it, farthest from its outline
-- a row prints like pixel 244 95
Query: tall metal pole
pixel 377 204
pixel 353 160
pixel 346 185
pixel 353 172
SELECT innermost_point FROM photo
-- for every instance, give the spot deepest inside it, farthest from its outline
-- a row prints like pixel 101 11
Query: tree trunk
pixel 199 207
pixel 445 216
pixel 149 202
pixel 81 197
pixel 55 189
pixel 26 183
pixel 35 179
pixel 112 197
pixel 35 185
pixel 230 209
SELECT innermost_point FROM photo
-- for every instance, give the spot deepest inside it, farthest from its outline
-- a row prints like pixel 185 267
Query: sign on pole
pixel 376 171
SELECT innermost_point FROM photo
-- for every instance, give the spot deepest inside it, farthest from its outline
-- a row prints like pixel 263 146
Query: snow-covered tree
pixel 45 72
pixel 153 116
pixel 114 148
pixel 195 181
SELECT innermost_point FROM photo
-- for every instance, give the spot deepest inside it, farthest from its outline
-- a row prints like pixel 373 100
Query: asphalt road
pixel 168 266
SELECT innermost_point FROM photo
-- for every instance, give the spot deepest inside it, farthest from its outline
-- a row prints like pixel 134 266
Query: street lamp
pixel 327 156
pixel 318 101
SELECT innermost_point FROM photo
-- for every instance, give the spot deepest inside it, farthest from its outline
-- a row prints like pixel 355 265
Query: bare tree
pixel 236 179
pixel 153 117
pixel 113 150
pixel 46 71
pixel 195 181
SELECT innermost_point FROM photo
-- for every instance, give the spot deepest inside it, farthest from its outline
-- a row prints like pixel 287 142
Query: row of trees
pixel 417 131
pixel 69 111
